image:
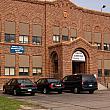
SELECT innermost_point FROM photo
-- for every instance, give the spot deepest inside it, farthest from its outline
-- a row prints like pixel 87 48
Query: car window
pixel 88 78
pixel 25 81
pixel 13 81
pixel 39 81
pixel 65 78
pixel 53 80
pixel 9 82
pixel 77 77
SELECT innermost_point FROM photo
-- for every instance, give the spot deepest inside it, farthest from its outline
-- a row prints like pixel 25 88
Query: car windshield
pixel 53 80
pixel 89 78
pixel 25 81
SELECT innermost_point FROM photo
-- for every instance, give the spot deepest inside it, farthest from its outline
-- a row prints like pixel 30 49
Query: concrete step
pixel 101 87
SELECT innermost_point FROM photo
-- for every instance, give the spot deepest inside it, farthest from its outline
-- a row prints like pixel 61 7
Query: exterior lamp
pixel 103 7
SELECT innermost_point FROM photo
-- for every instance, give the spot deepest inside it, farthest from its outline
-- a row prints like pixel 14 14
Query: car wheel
pixel 91 92
pixel 60 92
pixel 4 91
pixel 15 93
pixel 76 90
pixel 45 91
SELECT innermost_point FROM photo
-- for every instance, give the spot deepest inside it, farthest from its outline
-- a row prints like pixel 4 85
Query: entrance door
pixel 78 67
pixel 78 62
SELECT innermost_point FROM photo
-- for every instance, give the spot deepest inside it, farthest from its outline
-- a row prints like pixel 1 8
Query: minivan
pixel 80 82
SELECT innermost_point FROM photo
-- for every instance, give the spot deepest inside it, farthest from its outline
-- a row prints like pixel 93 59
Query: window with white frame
pixel 23 39
pixel 10 32
pixel 106 41
pixel 56 38
pixel 65 36
pixel 73 33
pixel 36 34
pixel 9 71
pixel 106 46
pixel 37 71
pixel 23 71
pixel 97 40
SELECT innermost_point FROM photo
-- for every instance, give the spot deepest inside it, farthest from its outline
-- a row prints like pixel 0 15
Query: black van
pixel 80 82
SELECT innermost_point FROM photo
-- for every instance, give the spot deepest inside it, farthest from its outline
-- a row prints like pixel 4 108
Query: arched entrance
pixel 54 61
pixel 78 62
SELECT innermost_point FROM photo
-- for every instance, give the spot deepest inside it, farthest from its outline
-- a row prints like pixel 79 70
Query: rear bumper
pixel 25 90
pixel 89 88
pixel 55 89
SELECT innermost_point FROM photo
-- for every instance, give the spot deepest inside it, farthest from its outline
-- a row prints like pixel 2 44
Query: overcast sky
pixel 94 4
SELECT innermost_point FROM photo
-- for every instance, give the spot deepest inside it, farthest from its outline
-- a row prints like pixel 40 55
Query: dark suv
pixel 80 82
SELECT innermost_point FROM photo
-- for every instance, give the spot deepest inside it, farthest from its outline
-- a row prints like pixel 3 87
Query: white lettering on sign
pixel 78 56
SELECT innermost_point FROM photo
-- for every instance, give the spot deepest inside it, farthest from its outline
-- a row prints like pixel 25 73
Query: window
pixel 23 39
pixel 106 46
pixel 88 36
pixel 10 31
pixel 97 39
pixel 36 40
pixel 9 38
pixel 36 34
pixel 9 71
pixel 99 72
pixel 73 34
pixel 65 34
pixel 65 38
pixel 98 45
pixel 106 41
pixel 56 38
pixel 23 71
pixel 106 72
pixel 56 34
pixel 37 71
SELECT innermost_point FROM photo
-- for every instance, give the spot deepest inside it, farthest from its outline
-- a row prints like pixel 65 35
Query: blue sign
pixel 17 49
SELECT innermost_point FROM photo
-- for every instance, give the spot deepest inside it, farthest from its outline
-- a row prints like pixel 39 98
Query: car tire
pixel 4 91
pixel 91 92
pixel 45 91
pixel 76 90
pixel 15 93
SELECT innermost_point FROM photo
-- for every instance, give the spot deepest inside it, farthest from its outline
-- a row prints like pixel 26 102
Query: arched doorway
pixel 54 61
pixel 78 62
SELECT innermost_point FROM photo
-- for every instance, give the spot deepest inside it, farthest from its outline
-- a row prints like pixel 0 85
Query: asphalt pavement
pixel 100 100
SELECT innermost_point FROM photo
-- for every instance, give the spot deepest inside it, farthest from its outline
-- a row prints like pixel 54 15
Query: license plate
pixel 59 85
pixel 90 85
pixel 29 90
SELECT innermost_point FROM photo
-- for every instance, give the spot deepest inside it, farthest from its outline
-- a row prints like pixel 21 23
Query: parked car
pixel 20 85
pixel 46 85
pixel 80 82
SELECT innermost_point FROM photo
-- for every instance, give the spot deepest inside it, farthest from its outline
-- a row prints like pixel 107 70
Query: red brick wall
pixel 34 12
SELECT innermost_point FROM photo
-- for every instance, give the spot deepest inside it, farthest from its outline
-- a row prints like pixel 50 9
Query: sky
pixel 94 4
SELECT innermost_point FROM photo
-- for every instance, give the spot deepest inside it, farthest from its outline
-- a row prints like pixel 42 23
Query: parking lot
pixel 100 100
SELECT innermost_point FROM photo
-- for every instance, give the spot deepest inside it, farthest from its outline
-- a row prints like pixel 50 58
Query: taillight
pixel 51 85
pixel 82 82
pixel 20 86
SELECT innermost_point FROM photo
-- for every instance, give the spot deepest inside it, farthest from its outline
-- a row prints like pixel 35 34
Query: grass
pixel 12 104
pixel 9 104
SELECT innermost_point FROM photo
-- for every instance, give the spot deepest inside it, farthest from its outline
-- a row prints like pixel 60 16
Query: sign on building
pixel 78 56
pixel 16 49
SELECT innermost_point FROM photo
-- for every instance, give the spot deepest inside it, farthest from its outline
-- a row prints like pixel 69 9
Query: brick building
pixel 54 38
